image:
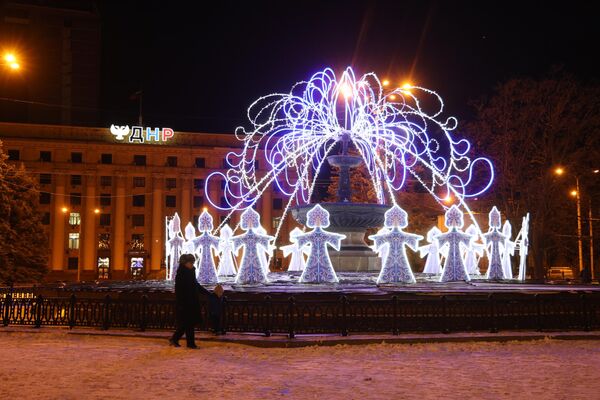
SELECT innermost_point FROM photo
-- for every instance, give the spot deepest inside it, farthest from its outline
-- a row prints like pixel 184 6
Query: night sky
pixel 200 67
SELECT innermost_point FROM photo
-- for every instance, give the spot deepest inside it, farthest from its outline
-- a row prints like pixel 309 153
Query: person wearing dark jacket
pixel 187 304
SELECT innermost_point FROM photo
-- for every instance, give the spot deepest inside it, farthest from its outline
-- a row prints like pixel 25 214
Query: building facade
pixel 104 201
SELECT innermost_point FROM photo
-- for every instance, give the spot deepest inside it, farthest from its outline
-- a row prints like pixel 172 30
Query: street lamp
pixel 11 61
pixel 575 193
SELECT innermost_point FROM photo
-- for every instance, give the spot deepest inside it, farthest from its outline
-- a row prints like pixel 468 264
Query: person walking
pixel 187 295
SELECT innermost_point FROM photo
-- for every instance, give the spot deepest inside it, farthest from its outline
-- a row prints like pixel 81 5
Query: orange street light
pixel 559 171
pixel 385 82
pixel 574 193
pixel 11 61
pixel 392 97
pixel 448 199
pixel 96 211
pixel 64 210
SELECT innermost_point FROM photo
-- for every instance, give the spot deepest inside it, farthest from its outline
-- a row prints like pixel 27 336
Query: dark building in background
pixel 57 43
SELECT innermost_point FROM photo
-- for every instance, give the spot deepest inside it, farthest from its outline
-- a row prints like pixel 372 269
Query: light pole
pixel 579 236
pixel 591 219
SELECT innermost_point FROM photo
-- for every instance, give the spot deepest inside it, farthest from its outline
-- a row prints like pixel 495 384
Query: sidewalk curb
pixel 282 341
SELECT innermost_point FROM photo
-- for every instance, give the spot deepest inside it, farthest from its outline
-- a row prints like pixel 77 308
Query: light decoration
pixel 203 244
pixel 474 252
pixel 522 244
pixel 432 251
pixel 190 235
pixel 174 246
pixel 454 267
pixel 494 243
pixel 226 254
pixel 396 139
pixel 252 269
pixel 297 262
pixel 318 266
pixel 395 265
pixel 509 250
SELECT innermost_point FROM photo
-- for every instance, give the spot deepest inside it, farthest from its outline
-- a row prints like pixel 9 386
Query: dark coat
pixel 187 295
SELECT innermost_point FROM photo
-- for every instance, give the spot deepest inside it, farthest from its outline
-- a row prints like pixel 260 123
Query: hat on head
pixel 187 258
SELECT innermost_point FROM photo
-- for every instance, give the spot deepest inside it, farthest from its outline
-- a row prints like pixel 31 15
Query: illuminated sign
pixel 139 134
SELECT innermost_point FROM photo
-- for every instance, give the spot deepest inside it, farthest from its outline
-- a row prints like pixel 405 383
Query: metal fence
pixel 309 315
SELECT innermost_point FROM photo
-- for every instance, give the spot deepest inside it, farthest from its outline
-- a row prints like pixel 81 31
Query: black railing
pixel 316 315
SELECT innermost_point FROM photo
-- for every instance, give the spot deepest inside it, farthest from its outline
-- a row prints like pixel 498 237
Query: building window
pixel 224 203
pixel 171 161
pixel 75 199
pixel 75 180
pixel 222 219
pixel 74 241
pixel 45 179
pixel 74 219
pixel 200 162
pixel 106 158
pixel 77 157
pixel 171 201
pixel 139 181
pixel 139 159
pixel 139 200
pixel 44 198
pixel 105 199
pixel 103 267
pixel 171 183
pixel 46 218
pixel 137 241
pixel 137 220
pixel 73 262
pixel 137 267
pixel 14 155
pixel 198 184
pixel 104 241
pixel 104 219
pixel 106 181
pixel 277 204
pixel 276 221
pixel 45 156
pixel 222 185
pixel 198 201
pixel 256 165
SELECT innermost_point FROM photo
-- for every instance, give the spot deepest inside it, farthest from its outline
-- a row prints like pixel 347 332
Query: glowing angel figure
pixel 263 255
pixel 432 251
pixel 190 235
pixel 396 268
pixel 251 270
pixel 509 250
pixel 474 252
pixel 523 246
pixel 226 254
pixel 494 243
pixel 318 266
pixel 206 273
pixel 174 246
pixel 454 267
pixel 297 262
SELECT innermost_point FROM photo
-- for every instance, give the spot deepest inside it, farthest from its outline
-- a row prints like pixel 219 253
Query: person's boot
pixel 174 343
pixel 192 345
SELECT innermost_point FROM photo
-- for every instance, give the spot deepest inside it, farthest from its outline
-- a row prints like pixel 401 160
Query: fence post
pixel 143 313
pixel 224 316
pixel 584 312
pixel 72 311
pixel 267 315
pixel 395 315
pixel 344 300
pixel 106 313
pixel 445 328
pixel 38 310
pixel 291 310
pixel 492 301
pixel 7 307
pixel 538 312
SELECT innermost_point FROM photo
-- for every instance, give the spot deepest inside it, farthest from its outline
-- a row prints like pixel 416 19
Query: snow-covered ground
pixel 62 366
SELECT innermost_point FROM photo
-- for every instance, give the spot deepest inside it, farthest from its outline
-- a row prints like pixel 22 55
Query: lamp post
pixel 579 235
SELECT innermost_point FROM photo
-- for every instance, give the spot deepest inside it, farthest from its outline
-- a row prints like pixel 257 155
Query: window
pixel 137 220
pixel 200 162
pixel 198 184
pixel 103 267
pixel 171 201
pixel 171 161
pixel 137 267
pixel 198 201
pixel 44 198
pixel 105 199
pixel 73 262
pixel 224 203
pixel 276 221
pixel 14 155
pixel 256 165
pixel 277 204
pixel 74 241
pixel 74 219
pixel 104 241
pixel 139 159
pixel 104 219
pixel 106 181
pixel 139 200
pixel 45 156
pixel 139 181
pixel 75 180
pixel 171 183
pixel 137 241
pixel 77 158
pixel 106 158
pixel 222 185
pixel 45 179
pixel 75 199
pixel 46 218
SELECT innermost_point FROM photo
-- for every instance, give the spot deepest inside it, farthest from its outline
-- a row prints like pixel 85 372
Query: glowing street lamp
pixel 11 61
pixel 385 82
